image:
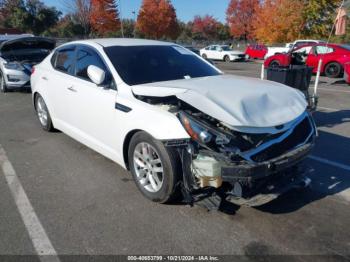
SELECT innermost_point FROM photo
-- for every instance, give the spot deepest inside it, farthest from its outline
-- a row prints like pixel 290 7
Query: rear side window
pixel 65 61
pixel 85 58
pixel 322 50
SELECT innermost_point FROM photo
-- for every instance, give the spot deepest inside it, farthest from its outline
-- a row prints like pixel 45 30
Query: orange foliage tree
pixel 157 19
pixel 104 17
pixel 239 16
pixel 279 21
pixel 205 27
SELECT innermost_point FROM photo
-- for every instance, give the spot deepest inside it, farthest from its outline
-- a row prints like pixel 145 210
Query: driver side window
pixel 85 58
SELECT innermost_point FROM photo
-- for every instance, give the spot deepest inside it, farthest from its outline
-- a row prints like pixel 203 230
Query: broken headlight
pixel 200 132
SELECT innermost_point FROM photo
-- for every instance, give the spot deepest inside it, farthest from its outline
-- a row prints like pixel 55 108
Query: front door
pixel 93 107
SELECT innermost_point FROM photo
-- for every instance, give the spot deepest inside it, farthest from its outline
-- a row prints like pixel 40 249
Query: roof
pixel 106 42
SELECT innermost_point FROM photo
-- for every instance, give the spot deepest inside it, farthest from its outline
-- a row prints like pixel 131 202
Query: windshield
pixel 146 64
pixel 225 48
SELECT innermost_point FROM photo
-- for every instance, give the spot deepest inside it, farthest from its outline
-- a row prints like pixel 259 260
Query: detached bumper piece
pixel 269 189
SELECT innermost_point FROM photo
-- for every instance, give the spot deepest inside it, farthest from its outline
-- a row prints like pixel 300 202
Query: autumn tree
pixel 278 21
pixel 240 15
pixel 104 17
pixel 157 19
pixel 205 27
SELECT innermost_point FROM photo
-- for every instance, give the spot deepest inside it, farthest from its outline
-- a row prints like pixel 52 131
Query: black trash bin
pixel 296 76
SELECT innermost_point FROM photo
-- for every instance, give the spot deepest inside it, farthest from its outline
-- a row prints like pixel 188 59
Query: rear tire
pixel 333 70
pixel 156 169
pixel 3 87
pixel 43 114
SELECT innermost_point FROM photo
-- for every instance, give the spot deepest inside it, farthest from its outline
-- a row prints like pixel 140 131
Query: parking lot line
pixel 36 232
pixel 328 109
pixel 333 90
pixel 329 162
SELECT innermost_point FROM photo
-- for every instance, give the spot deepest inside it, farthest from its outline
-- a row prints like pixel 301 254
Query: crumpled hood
pixel 235 100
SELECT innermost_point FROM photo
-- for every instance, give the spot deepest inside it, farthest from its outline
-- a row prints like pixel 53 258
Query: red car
pixel 334 58
pixel 256 51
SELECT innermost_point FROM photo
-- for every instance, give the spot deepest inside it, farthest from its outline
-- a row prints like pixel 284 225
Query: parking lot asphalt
pixel 88 205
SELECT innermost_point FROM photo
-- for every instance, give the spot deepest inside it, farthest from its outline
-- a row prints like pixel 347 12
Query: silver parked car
pixel 17 57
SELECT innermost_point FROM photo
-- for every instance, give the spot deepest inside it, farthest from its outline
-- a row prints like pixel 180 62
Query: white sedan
pixel 174 120
pixel 223 53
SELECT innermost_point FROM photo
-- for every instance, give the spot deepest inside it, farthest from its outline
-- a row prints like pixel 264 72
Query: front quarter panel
pixel 156 121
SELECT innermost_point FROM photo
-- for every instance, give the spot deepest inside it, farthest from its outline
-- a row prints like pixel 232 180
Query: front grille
pixel 300 133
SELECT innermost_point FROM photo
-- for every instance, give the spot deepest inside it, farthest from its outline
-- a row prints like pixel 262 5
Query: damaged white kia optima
pixel 175 121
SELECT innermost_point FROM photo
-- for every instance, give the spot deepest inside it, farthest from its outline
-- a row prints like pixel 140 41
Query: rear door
pixel 211 52
pixel 59 81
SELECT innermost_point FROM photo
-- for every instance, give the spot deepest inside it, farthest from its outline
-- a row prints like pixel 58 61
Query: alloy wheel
pixel 333 70
pixel 148 167
pixel 42 111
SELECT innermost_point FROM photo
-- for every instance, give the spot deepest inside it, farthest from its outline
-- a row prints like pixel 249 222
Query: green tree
pixel 28 16
pixel 68 27
pixel 319 17
pixel 223 32
pixel 128 28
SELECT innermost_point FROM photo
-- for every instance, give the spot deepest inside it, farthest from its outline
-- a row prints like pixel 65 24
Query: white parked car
pixel 18 54
pixel 174 120
pixel 289 46
pixel 223 53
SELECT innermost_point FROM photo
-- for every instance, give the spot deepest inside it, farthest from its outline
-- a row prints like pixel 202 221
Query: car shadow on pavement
pixel 327 180
pixel 331 119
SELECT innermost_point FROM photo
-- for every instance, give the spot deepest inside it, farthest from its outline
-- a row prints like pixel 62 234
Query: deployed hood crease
pixel 234 100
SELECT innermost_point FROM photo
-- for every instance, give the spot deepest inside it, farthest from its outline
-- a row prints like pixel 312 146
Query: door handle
pixel 71 88
pixel 44 78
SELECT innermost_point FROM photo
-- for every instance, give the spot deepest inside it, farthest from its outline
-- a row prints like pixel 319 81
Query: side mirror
pixel 96 74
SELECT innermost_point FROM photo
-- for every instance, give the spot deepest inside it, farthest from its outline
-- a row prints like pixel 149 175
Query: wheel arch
pixel 35 94
pixel 126 144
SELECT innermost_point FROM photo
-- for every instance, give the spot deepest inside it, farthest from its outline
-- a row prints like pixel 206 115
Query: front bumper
pixel 251 184
pixel 238 57
pixel 253 171
pixel 16 79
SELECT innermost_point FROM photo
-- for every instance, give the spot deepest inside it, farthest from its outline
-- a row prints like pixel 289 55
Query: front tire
pixel 333 70
pixel 3 87
pixel 204 56
pixel 227 59
pixel 43 114
pixel 156 169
